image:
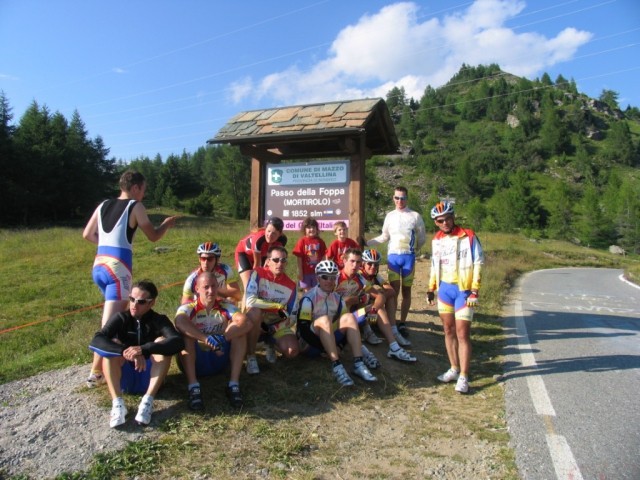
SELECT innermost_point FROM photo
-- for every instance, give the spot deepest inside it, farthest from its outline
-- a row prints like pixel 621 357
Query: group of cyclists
pixel 337 298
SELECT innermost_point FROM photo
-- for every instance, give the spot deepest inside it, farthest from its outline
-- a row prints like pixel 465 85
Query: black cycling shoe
pixel 235 397
pixel 195 399
pixel 402 328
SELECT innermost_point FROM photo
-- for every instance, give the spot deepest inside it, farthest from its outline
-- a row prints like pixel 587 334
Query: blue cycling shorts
pixel 401 267
pixel 453 300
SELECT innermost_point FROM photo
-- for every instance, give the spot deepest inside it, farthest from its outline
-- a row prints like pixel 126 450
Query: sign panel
pixel 318 189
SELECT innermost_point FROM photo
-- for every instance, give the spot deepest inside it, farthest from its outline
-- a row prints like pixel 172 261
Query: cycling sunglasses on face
pixel 140 301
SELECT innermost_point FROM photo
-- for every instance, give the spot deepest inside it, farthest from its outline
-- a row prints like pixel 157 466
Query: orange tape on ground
pixel 73 312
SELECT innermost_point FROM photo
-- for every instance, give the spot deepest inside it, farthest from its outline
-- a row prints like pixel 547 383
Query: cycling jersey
pixel 223 273
pixel 404 230
pixel 254 242
pixel 213 322
pixel 373 280
pixel 270 293
pixel 113 264
pixel 457 258
pixel 350 286
pixel 130 331
pixel 316 303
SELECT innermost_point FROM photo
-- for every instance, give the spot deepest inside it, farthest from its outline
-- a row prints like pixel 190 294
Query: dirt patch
pixel 405 426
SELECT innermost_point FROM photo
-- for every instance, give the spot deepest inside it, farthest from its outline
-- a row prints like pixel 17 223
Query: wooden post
pixel 256 213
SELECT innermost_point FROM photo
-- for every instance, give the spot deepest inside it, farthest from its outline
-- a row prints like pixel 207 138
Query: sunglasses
pixel 140 301
pixel 207 258
pixel 400 198
pixel 278 260
pixel 442 220
pixel 371 264
pixel 327 277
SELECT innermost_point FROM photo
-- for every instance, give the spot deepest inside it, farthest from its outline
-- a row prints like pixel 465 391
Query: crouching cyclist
pixel 137 346
pixel 215 336
pixel 270 299
pixel 379 293
pixel 324 323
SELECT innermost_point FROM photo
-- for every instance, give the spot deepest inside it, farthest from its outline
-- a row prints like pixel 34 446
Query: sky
pixel 163 76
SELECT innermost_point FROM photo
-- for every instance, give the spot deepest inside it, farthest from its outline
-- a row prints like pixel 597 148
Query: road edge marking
pixel 562 457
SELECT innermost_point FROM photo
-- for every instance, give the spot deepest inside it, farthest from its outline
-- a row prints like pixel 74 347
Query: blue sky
pixel 165 76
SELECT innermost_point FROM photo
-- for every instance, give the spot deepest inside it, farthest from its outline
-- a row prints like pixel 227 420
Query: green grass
pixel 287 427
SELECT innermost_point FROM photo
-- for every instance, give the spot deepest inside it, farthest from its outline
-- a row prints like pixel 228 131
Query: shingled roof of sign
pixel 317 126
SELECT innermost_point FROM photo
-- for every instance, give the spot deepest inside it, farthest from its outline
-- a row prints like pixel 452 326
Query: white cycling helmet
pixel 327 267
pixel 209 248
pixel 371 255
pixel 442 208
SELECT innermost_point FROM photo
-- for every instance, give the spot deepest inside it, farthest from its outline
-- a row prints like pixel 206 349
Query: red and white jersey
pixel 350 286
pixel 212 322
pixel 256 242
pixel 269 292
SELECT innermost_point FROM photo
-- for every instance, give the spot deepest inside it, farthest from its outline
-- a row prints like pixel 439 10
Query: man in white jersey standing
pixel 404 229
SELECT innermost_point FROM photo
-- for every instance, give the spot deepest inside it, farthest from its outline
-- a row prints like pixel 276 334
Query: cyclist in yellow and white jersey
pixel 456 265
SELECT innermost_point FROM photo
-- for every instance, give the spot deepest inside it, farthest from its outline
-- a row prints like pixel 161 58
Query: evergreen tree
pixel 594 227
pixel 560 211
pixel 516 208
pixel 406 128
pixel 562 83
pixel 628 216
pixel 9 188
pixel 396 102
pixel 610 97
pixel 546 80
pixel 476 213
pixel 553 133
pixel 622 149
pixel 235 181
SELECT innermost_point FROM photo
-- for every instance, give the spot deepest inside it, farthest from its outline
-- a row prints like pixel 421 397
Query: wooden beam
pixel 257 192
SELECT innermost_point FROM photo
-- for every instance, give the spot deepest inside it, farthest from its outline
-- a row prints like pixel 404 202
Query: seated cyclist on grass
pixel 324 324
pixel 215 336
pixel 141 343
pixel 270 298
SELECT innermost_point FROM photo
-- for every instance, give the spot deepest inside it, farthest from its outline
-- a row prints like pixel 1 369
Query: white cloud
pixel 394 48
pixel 119 70
pixel 5 76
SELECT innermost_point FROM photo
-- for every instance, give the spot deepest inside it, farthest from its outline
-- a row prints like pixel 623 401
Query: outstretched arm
pixel 142 220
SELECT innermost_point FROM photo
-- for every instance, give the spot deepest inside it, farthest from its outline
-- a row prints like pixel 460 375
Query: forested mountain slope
pixel 516 154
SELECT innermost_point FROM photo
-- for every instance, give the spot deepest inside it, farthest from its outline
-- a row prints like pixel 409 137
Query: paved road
pixel 573 375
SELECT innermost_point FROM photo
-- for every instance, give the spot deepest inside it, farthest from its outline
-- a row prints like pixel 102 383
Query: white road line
pixel 538 391
pixel 621 277
pixel 561 456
